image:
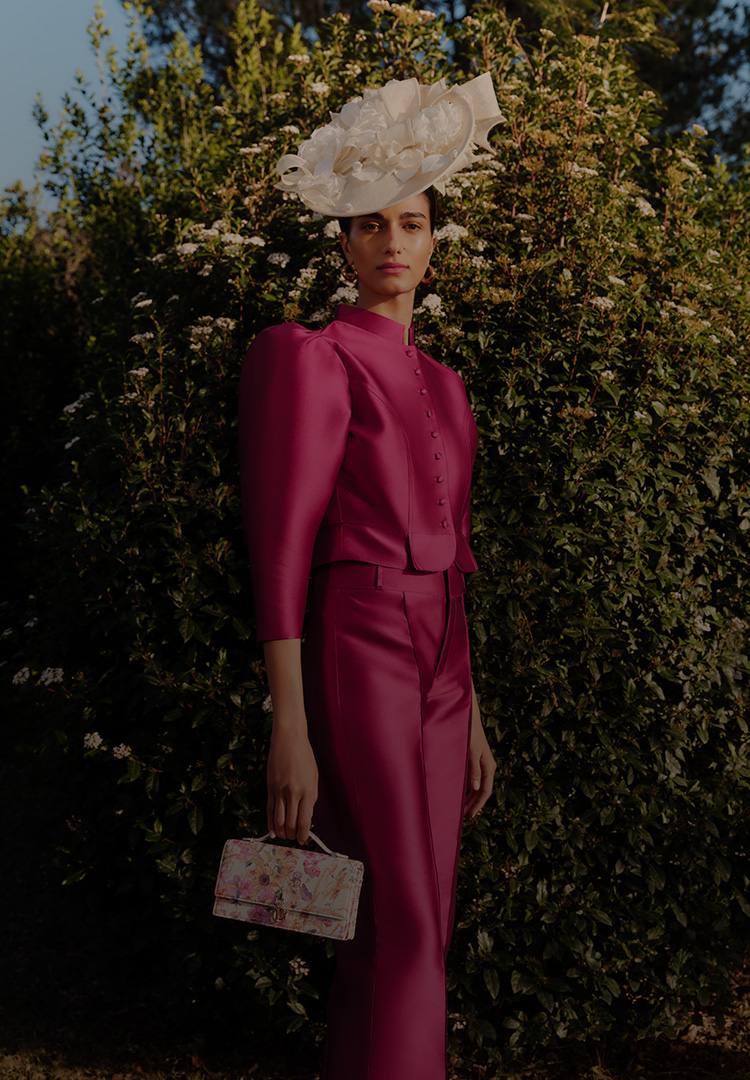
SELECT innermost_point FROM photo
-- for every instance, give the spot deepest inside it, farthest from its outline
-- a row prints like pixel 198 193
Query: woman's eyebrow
pixel 380 217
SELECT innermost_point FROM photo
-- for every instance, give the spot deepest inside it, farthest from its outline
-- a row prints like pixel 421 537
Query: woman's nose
pixel 392 241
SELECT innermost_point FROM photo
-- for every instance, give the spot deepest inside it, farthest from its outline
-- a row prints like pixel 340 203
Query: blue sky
pixel 42 43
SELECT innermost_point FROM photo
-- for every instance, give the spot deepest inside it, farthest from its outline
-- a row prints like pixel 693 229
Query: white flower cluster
pixel 321 88
pixel 603 303
pixel 76 405
pixel 581 412
pixel 407 15
pixel 267 705
pixel 613 280
pixel 21 677
pixel 201 232
pixel 688 163
pixel 122 751
pixel 332 229
pixel 199 335
pixel 452 232
pixel 226 324
pixel 299 967
pixel 681 309
pixel 138 339
pixel 299 58
pixel 645 208
pixel 72 442
pixel 608 375
pixel 256 148
pixel 279 258
pixel 92 740
pixel 433 303
pixel 144 303
pixel 574 169
pixel 51 675
pixel 345 294
pixel 186 249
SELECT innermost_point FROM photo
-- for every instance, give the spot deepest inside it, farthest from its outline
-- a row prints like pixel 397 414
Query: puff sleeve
pixel 295 409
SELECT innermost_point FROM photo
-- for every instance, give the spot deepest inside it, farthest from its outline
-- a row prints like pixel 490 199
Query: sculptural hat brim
pixel 393 142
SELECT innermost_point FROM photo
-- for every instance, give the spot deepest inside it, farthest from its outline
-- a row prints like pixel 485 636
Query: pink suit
pixel 356 459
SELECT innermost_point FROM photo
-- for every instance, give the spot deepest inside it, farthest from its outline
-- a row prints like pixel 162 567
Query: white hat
pixel 393 142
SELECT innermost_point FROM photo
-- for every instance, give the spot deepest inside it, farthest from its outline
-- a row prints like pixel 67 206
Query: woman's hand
pixel 481 763
pixel 292 782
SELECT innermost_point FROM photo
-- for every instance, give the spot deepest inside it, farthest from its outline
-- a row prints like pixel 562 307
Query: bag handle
pixel 318 841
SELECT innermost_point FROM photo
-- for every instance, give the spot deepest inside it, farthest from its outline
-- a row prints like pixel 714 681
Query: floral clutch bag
pixel 316 892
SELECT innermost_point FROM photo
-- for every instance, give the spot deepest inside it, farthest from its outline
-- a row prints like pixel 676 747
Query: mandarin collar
pixel 374 324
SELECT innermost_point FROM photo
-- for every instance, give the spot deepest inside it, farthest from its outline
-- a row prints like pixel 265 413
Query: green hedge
pixel 593 290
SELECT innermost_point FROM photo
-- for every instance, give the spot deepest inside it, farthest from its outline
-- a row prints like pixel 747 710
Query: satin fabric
pixel 356 461
pixel 353 446
pixel 388 701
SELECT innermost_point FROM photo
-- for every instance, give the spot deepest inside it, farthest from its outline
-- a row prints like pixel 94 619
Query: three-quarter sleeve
pixel 295 408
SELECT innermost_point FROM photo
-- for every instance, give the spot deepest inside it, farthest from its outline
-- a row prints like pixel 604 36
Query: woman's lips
pixel 392 268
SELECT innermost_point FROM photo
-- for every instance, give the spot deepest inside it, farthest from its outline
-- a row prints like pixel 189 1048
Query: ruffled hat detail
pixel 393 142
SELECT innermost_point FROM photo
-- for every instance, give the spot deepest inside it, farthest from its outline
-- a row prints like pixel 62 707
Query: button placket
pixel 438 454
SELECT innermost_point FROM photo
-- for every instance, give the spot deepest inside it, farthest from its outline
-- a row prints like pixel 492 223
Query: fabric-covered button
pixel 434 434
pixel 429 412
pixel 423 391
pixel 441 502
pixel 438 456
pixel 439 479
pixel 444 524
pixel 410 352
pixel 417 371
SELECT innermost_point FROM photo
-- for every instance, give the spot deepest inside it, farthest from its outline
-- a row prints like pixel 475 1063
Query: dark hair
pixel 346 222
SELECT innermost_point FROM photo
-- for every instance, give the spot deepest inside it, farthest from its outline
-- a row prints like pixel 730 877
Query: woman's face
pixel 391 249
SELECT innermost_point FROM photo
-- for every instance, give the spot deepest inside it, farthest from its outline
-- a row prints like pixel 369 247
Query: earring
pixel 349 273
pixel 429 271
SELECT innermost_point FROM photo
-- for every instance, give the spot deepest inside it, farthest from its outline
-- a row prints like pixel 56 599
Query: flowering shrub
pixel 592 288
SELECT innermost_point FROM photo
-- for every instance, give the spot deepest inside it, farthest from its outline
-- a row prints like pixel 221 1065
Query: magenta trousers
pixel 388 698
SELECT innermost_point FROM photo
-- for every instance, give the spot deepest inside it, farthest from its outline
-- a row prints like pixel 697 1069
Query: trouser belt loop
pixel 379 577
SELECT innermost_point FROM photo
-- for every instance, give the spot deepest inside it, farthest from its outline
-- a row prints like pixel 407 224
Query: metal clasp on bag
pixel 278 912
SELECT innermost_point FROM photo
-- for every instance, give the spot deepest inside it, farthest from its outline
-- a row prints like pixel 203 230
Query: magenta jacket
pixel 352 446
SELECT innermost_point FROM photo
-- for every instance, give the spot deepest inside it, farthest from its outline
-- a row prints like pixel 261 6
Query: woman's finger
pixel 304 818
pixel 476 799
pixel 280 818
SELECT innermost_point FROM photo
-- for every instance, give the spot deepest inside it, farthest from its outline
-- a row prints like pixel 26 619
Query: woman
pixel 357 451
